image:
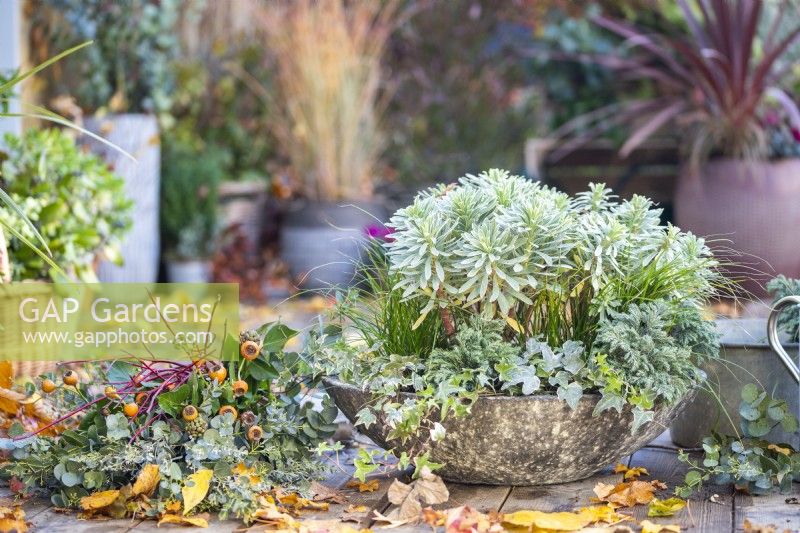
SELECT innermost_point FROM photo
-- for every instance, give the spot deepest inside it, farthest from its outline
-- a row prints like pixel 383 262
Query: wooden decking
pixel 726 513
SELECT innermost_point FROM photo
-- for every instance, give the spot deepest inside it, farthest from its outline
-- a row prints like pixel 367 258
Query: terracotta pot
pixel 752 208
pixel 521 440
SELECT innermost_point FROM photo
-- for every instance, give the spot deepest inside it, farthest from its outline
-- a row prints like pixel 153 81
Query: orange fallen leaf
pixel 147 481
pixel 12 520
pixel 628 493
pixel 779 449
pixel 630 473
pixel 369 486
pixel 324 493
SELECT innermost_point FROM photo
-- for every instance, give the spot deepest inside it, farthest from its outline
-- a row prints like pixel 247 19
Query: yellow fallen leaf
pixel 99 500
pixel 147 481
pixel 779 449
pixel 602 513
pixel 630 473
pixel 200 520
pixel 650 527
pixel 370 486
pixel 195 489
pixel 561 521
pixel 633 473
pixel 667 507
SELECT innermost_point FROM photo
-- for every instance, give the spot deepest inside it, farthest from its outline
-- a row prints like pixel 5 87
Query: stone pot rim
pixel 336 382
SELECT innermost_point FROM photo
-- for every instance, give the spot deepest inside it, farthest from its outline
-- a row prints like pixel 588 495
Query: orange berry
pixel 228 409
pixel 48 386
pixel 240 388
pixel 249 350
pixel 255 433
pixel 219 373
pixel 140 397
pixel 70 378
pixel 190 413
pixel 130 410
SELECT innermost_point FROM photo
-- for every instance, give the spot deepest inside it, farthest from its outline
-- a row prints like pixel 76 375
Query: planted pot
pixel 745 357
pixel 521 440
pixel 322 243
pixel 138 135
pixel 243 204
pixel 753 207
pixel 188 271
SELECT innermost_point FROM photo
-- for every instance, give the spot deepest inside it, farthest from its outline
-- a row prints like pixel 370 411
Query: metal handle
pixel 772 334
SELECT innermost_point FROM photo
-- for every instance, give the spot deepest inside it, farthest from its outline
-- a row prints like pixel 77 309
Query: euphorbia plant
pixel 499 285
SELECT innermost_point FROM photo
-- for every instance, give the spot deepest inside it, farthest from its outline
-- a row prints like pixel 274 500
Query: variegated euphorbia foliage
pixel 548 264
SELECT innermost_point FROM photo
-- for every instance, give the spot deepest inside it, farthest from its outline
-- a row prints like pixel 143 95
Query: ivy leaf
pixel 276 336
pixel 609 401
pixel 641 417
pixel 365 417
pixel 261 370
pixel 172 401
pixel 524 375
pixel 572 394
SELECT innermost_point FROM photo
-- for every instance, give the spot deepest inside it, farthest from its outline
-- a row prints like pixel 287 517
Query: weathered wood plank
pixel 768 509
pixel 57 522
pixel 564 497
pixel 700 514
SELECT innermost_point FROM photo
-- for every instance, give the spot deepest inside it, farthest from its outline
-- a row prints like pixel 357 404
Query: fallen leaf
pixel 369 486
pixel 298 503
pixel 269 514
pixel 650 527
pixel 667 507
pixel 200 520
pixel 634 473
pixel 560 521
pixel 630 473
pixel 628 493
pixel 465 519
pixel 659 484
pixel 433 517
pixel 387 522
pixel 12 520
pixel 431 488
pixel 603 513
pixel 354 513
pixel 99 500
pixel 195 489
pixel 324 493
pixel 427 489
pixel 398 492
pixel 147 481
pixel 779 449
pixel 750 527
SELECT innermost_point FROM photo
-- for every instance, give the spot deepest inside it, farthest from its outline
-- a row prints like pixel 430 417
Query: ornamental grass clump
pixel 500 285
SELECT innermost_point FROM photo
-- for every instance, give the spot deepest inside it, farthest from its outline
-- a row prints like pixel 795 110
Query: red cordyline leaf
pixel 715 60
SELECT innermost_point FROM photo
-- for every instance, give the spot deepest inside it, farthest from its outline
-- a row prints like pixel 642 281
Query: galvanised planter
pixel 522 440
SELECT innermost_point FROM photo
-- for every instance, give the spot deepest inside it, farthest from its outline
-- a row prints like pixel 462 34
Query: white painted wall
pixel 10 53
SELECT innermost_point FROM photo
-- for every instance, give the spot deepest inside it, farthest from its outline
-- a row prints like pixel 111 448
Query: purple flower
pixel 379 231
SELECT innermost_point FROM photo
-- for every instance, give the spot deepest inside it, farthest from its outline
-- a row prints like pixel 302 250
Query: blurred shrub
pixel 73 199
pixel 460 98
pixel 189 184
pixel 128 68
pixel 221 103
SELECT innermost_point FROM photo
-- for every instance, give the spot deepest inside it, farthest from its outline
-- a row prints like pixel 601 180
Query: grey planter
pixel 243 203
pixel 191 271
pixel 137 134
pixel 746 358
pixel 323 242
pixel 522 440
